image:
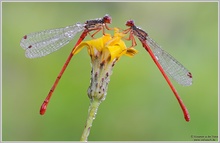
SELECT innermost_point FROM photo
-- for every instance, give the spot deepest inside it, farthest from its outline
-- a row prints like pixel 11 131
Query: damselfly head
pixel 130 23
pixel 107 19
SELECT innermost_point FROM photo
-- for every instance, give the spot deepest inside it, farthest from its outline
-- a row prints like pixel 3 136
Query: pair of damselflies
pixel 42 43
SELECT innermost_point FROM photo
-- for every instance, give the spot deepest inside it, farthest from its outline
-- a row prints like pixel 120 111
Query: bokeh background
pixel 140 105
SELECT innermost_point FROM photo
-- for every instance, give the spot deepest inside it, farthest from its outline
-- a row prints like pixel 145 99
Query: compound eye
pixel 130 23
pixel 107 19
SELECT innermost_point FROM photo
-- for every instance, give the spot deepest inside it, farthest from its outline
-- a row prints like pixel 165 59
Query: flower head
pixel 104 53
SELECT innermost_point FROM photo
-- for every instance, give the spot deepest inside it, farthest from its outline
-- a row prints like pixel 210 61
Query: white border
pixel 99 1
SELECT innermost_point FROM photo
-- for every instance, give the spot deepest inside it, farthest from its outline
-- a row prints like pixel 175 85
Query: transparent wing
pixel 170 65
pixel 42 43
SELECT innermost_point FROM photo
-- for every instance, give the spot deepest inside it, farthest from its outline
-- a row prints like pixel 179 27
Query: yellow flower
pixel 104 53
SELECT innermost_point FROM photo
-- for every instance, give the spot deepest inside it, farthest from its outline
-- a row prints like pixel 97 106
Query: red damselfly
pixel 42 43
pixel 164 61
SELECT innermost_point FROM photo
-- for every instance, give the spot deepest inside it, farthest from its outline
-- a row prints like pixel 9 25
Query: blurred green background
pixel 140 105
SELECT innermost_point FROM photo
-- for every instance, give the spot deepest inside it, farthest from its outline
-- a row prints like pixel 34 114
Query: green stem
pixel 94 104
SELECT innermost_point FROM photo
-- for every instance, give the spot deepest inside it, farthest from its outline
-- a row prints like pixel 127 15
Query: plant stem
pixel 94 104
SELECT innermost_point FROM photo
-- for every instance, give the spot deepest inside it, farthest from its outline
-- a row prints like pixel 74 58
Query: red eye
pixel 130 23
pixel 107 19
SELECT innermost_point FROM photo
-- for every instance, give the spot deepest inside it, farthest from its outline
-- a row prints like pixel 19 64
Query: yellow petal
pixel 131 52
pixel 115 52
pixel 98 43
pixel 79 47
pixel 109 47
